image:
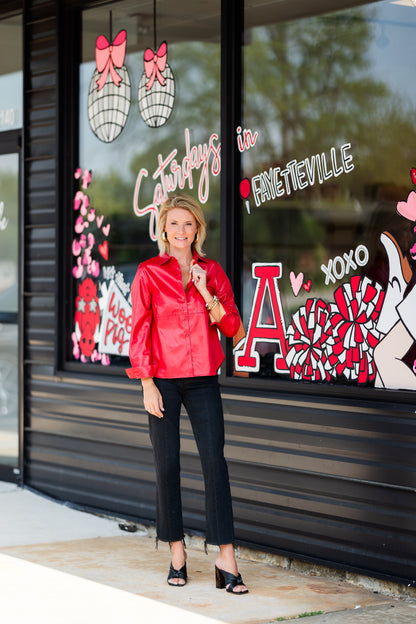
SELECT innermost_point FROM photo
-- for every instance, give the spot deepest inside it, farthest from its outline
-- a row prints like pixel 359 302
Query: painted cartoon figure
pixel 397 319
pixel 87 317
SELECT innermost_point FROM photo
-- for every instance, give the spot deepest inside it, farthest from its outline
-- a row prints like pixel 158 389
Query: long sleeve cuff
pixel 229 324
pixel 141 372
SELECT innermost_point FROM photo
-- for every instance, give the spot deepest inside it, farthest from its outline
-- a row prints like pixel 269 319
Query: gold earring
pixel 164 237
pixel 196 238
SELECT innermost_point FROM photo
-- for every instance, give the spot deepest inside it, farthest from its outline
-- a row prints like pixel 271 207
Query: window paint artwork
pixel 115 331
pixel 362 337
pixel 4 222
pixel 102 320
pixel 171 174
pixel 110 92
pixel 156 94
pixel 397 318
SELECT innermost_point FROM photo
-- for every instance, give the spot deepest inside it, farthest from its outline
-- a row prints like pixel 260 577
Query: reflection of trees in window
pixel 310 85
pixel 9 236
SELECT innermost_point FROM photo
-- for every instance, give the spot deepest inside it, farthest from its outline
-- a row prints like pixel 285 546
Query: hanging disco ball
pixel 108 108
pixel 156 93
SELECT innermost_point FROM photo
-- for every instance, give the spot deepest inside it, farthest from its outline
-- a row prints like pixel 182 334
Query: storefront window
pixel 11 74
pixel 328 194
pixel 149 120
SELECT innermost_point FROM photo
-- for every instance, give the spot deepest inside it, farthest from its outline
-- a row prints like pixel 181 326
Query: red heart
pixel 103 249
pixel 413 175
pixel 308 285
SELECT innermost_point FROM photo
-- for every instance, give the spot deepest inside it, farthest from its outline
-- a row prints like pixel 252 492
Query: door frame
pixel 11 143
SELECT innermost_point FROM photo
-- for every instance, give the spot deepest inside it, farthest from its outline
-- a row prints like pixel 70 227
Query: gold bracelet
pixel 211 304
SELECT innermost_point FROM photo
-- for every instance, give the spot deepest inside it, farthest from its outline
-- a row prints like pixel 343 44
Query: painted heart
pixel 76 247
pixel 86 258
pixel 100 220
pixel 78 200
pixel 103 249
pixel 106 229
pixel 86 179
pixel 94 268
pixel 296 282
pixel 78 270
pixel 75 350
pixel 407 209
pixel 307 286
pixel 80 225
pixel 413 175
pixel 91 214
pixel 84 205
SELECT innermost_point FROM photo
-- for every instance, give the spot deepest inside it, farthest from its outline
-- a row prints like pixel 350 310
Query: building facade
pixel 292 124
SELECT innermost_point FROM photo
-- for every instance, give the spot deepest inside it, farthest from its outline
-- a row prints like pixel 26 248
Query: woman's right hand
pixel 152 399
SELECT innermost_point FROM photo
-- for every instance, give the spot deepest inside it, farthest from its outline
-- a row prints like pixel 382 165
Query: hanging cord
pixel 154 24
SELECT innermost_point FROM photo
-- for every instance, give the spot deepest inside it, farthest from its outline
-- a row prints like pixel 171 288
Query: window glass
pixel 328 194
pixel 149 120
pixel 11 74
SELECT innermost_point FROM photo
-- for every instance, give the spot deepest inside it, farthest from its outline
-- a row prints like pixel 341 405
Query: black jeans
pixel 202 401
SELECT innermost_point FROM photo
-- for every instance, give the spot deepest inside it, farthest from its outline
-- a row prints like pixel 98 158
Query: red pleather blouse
pixel 172 335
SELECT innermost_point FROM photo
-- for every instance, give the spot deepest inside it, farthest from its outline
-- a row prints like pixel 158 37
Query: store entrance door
pixel 10 469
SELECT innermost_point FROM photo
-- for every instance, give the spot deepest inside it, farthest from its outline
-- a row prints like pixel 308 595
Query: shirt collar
pixel 165 257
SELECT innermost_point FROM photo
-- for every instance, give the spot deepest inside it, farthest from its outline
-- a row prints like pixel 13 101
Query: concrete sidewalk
pixel 62 565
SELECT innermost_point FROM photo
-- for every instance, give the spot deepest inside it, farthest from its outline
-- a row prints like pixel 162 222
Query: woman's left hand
pixel 199 277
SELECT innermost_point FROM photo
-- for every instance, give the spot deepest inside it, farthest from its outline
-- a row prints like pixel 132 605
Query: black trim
pixel 10 141
pixel 69 37
pixel 11 318
pixel 10 475
pixel 232 26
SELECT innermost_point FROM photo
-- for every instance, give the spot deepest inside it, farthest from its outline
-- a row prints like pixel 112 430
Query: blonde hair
pixel 186 202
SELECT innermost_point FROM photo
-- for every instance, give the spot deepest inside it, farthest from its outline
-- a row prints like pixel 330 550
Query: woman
pixel 179 300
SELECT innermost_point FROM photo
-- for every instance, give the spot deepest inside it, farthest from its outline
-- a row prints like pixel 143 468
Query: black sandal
pixel 229 581
pixel 179 574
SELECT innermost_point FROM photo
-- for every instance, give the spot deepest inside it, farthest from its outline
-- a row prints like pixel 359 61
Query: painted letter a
pixel 247 358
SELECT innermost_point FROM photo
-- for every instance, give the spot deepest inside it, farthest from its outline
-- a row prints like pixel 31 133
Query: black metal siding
pixel 325 480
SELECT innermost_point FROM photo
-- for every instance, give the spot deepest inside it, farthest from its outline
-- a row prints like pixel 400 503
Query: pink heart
pixel 100 220
pixel 407 209
pixel 78 270
pixel 76 247
pixel 84 205
pixel 106 229
pixel 80 224
pixel 296 282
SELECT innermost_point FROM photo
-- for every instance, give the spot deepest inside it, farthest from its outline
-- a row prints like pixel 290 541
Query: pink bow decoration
pixel 154 64
pixel 108 56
